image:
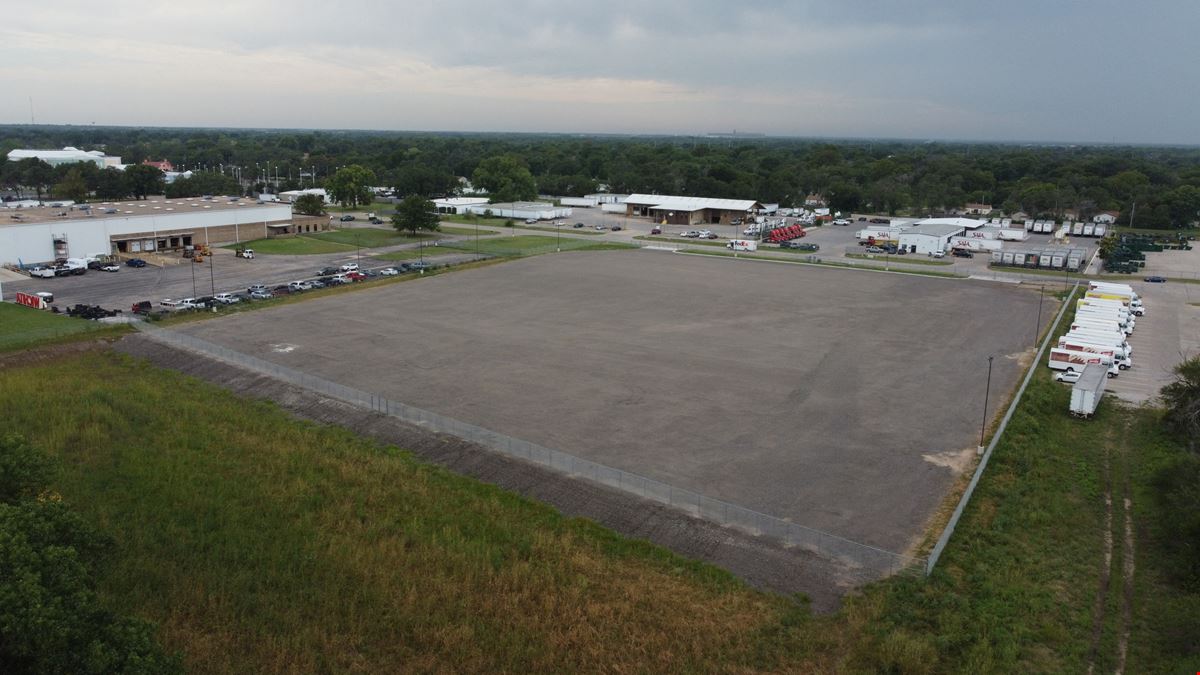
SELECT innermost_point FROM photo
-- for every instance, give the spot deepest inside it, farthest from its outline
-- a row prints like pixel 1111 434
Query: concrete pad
pixel 841 400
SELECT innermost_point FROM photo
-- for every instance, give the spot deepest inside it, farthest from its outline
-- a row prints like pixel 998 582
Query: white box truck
pixel 1099 324
pixel 1102 338
pixel 1124 320
pixel 1110 285
pixel 1116 354
pixel 1074 361
pixel 1117 308
pixel 1089 301
pixel 742 245
pixel 1113 294
pixel 1087 391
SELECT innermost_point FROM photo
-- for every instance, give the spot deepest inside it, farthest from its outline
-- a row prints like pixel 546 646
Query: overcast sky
pixel 1043 70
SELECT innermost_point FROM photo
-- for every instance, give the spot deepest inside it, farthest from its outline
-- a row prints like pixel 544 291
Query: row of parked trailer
pixel 1049 258
pixel 1097 345
pixel 1074 229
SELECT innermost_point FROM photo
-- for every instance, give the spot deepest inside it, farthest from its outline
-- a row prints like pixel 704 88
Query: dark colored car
pixel 143 307
pixel 1155 280
pixel 376 221
pixel 656 230
pixel 135 262
pixel 799 246
pixel 281 290
pixel 577 225
pixel 616 228
pixel 962 253
pixel 420 265
pixel 328 271
pixel 346 218
pixel 880 221
pixel 861 218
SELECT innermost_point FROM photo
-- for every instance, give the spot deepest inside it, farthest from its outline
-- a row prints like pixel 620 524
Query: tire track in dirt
pixel 1105 567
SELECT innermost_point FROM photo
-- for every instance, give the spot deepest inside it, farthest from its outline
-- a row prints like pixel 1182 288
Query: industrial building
pixel 930 236
pixel 67 155
pixel 290 196
pixel 520 210
pixel 455 205
pixel 674 210
pixel 43 234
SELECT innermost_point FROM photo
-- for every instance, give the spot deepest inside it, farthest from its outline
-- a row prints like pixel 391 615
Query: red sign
pixel 30 301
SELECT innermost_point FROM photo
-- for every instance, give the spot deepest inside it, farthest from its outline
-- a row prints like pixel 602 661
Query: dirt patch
pixel 958 461
pixel 761 562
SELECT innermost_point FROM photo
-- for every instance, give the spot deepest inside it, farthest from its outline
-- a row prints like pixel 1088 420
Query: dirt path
pixel 1115 461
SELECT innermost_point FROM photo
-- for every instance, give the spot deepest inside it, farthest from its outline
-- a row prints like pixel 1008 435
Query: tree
pixel 351 185
pixel 144 180
pixel 34 173
pixel 112 184
pixel 51 617
pixel 71 187
pixel 415 213
pixel 309 205
pixel 505 178
pixel 1182 398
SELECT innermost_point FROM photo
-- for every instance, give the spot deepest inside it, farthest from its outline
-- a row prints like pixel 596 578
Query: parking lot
pixel 1167 334
pixel 840 400
pixel 223 272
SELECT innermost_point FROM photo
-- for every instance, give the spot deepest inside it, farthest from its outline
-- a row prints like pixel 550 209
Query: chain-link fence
pixel 877 560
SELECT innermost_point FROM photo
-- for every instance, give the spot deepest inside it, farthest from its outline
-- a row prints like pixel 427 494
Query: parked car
pixel 356 276
pixel 690 234
pixel 262 294
pixel 349 267
pixel 881 221
pixel 656 230
pixel 110 268
pixel 389 272
pixel 875 249
pixel 962 253
pixel 901 251
pixel 135 262
pixel 577 225
pixel 280 290
pixel 531 221
pixel 799 246
pixel 598 227
pixel 420 265
pixel 142 307
pixel 346 218
pixel 937 254
pixel 339 279
pixel 1068 376
pixel 317 283
pixel 705 234
pixel 169 303
pixel 298 286
pixel 862 219
pixel 842 221
pixel 376 221
pixel 327 271
pixel 257 288
pixel 226 298
pixel 1155 280
pixel 616 228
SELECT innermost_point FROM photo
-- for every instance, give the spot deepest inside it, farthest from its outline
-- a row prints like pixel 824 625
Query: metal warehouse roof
pixel 677 203
pixel 933 229
pixel 966 223
pixel 154 206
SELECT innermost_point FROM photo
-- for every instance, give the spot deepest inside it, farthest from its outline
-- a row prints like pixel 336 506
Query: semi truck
pixel 1116 354
pixel 1087 391
pixel 1075 361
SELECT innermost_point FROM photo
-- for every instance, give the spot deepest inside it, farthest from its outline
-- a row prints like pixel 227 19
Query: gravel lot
pixel 842 400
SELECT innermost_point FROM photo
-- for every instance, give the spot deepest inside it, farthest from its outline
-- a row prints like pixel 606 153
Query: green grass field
pixel 22 327
pixel 415 253
pixel 532 244
pixel 465 230
pixel 296 245
pixel 369 237
pixel 263 544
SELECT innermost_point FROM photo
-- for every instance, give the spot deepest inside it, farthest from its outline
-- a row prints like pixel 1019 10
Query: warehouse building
pixel 673 210
pixel 455 205
pixel 43 234
pixel 67 155
pixel 929 236
pixel 521 210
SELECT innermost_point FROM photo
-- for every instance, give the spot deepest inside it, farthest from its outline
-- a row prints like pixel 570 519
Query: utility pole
pixel 986 393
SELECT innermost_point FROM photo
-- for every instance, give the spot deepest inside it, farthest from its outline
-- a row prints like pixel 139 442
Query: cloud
pixel 926 68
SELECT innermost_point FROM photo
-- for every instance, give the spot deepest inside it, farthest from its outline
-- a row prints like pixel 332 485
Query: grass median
pixel 23 327
pixel 531 244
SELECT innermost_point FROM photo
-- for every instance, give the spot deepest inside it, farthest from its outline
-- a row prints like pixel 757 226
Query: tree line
pixel 1158 186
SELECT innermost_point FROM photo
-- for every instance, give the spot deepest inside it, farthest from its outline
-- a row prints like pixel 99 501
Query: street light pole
pixel 986 393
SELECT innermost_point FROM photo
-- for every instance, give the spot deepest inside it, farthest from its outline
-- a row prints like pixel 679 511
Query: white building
pixel 67 155
pixel 38 235
pixel 455 205
pixel 521 210
pixel 607 198
pixel 930 237
pixel 291 196
pixel 585 202
pixel 1105 217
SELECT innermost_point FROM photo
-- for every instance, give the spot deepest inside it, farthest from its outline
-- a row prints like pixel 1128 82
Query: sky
pixel 1018 70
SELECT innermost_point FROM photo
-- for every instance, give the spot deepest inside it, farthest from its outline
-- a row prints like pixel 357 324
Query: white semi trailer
pixel 1087 391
